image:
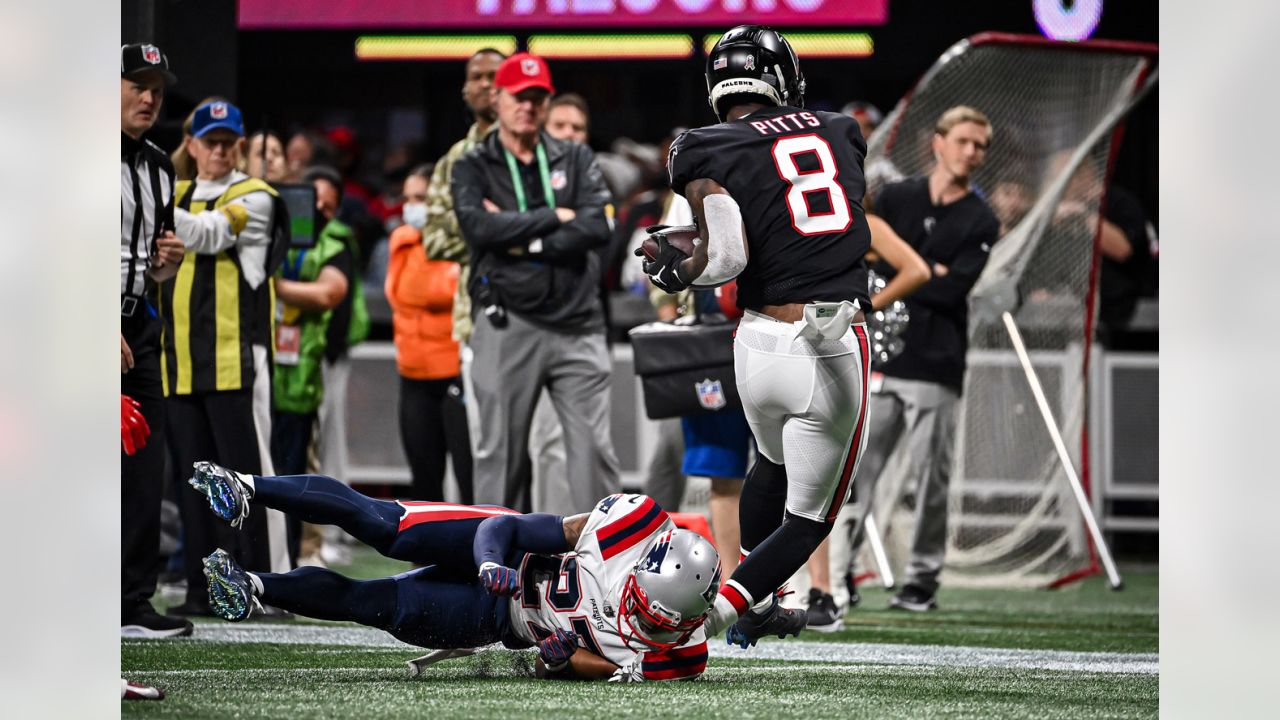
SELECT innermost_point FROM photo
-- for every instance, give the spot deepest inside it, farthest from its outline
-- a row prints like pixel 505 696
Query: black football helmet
pixel 754 61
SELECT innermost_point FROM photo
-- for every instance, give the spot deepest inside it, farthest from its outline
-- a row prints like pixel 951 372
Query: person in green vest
pixel 309 285
pixel 348 326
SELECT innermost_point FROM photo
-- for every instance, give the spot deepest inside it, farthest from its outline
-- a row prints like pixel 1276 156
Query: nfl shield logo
pixel 218 111
pixel 151 54
pixel 558 180
pixel 529 67
pixel 710 394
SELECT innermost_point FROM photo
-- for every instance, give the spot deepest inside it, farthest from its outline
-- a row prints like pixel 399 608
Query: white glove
pixel 630 671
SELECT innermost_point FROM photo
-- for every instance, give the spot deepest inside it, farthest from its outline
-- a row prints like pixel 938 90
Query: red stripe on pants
pixel 851 462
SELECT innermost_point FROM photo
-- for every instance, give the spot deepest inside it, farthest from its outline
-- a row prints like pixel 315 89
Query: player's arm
pixel 582 665
pixel 497 538
pixel 721 253
pixel 911 269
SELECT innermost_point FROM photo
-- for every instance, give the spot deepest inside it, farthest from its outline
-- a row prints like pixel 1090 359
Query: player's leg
pixel 823 442
pixel 931 427
pixel 316 499
pixel 415 607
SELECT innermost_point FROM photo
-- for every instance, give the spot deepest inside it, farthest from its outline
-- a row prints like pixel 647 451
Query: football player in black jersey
pixel 777 195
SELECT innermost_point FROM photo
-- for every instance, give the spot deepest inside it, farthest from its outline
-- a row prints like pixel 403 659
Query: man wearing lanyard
pixel 532 210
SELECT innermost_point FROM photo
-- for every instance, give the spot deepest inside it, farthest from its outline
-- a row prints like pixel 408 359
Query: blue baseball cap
pixel 214 115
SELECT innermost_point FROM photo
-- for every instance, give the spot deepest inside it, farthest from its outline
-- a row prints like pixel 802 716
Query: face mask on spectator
pixel 414 214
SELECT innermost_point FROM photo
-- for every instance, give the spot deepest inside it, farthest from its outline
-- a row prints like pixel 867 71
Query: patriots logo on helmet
pixel 218 111
pixel 657 553
pixel 529 66
pixel 713 588
pixel 151 54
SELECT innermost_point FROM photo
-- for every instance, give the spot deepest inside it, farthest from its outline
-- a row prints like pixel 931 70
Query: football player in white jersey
pixel 617 593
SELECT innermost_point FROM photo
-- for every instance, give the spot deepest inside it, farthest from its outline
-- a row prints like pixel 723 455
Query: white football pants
pixel 805 398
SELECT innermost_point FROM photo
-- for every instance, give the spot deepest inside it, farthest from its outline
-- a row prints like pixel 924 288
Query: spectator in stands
pixel 953 229
pixel 275 166
pixel 533 212
pixel 868 116
pixel 299 155
pixel 1128 263
pixel 568 118
pixel 150 253
pixel 420 292
pixel 216 372
pixel 441 236
pixel 879 170
pixel 348 326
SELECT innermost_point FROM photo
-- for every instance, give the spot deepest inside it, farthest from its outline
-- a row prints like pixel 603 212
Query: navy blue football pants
pixel 439 606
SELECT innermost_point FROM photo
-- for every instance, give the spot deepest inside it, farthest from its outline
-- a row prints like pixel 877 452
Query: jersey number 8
pixel 804 183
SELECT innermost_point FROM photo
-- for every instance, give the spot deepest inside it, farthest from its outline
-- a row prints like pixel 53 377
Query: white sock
pixel 722 615
pixel 257 583
pixel 247 479
pixel 763 605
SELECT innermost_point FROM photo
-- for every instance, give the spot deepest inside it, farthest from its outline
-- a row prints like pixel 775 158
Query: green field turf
pixel 1084 652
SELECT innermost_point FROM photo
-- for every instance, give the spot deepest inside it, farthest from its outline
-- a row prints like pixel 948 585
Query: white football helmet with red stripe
pixel 669 592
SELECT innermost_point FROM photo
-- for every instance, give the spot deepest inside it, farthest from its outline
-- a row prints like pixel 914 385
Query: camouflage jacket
pixel 441 236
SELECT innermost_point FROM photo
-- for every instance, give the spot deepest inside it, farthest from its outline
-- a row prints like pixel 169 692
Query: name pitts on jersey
pixel 797 177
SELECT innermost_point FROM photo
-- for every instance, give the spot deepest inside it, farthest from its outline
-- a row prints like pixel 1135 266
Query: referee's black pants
pixel 142 474
pixel 219 427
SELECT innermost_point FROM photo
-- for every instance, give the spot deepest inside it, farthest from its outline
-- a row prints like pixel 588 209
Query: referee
pixel 149 253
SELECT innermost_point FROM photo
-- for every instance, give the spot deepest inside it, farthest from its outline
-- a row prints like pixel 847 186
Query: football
pixel 681 238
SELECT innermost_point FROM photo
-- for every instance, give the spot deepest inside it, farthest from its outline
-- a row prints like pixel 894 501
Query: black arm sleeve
pixel 590 229
pixel 484 230
pixel 536 533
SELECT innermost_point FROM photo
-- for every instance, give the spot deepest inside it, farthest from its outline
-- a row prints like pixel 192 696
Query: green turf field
pixel 1084 652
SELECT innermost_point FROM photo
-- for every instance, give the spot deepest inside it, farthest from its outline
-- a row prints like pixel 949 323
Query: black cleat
pixel 776 620
pixel 152 625
pixel 915 599
pixel 823 615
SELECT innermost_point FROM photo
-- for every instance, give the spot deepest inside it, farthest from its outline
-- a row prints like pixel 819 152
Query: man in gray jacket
pixel 535 214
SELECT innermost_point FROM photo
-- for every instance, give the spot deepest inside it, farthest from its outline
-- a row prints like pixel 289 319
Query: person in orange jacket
pixel 420 291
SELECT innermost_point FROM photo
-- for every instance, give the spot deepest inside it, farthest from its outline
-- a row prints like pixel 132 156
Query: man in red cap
pixel 534 213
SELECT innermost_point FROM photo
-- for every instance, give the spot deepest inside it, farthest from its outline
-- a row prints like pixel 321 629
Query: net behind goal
pixel 1056 110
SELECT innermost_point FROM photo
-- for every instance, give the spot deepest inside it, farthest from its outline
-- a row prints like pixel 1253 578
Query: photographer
pixel 532 210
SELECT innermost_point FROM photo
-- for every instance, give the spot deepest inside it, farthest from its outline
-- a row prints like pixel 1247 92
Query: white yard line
pixel 830 654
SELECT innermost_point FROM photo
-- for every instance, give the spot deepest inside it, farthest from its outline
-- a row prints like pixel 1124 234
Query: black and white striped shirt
pixel 146 193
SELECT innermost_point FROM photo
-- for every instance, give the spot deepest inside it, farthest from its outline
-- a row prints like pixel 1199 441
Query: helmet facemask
pixel 649 625
pixel 669 592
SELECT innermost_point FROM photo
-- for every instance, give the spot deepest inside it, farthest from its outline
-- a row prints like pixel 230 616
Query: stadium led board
pixel 558 14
